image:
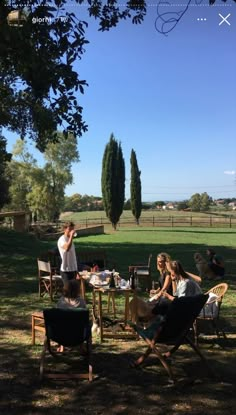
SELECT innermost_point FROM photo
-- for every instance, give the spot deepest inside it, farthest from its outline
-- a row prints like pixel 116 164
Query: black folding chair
pixel 68 328
pixel 172 330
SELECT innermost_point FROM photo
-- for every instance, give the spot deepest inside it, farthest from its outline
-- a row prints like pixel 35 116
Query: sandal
pixel 133 364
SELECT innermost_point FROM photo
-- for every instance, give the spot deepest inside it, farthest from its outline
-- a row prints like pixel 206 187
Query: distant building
pixel 232 205
pixel 220 202
pixel 169 205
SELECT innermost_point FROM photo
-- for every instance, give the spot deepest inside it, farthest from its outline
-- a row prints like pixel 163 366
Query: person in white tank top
pixel 66 248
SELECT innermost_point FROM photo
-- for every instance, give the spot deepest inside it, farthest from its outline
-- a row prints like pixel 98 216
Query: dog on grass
pixel 203 267
pixel 115 325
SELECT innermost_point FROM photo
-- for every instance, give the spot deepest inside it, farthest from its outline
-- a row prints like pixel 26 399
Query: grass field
pixel 125 391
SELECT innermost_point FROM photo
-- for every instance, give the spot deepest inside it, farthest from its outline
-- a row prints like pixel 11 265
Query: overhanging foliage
pixel 38 84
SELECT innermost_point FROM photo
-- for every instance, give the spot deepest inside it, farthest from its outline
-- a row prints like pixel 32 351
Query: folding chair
pixel 53 256
pixel 211 311
pixel 172 330
pixel 37 323
pixel 68 328
pixel 49 282
pixel 143 271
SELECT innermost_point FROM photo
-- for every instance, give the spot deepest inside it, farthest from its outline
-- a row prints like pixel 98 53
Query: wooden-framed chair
pixel 143 271
pixel 37 324
pixel 94 259
pixel 172 330
pixel 69 328
pixel 211 311
pixel 53 256
pixel 49 281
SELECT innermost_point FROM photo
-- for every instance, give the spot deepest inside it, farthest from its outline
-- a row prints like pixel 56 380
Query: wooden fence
pixel 167 221
pixel 205 221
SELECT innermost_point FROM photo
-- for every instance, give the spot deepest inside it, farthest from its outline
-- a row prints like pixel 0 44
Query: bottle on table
pixel 135 278
pixel 95 268
pixel 112 281
pixel 132 279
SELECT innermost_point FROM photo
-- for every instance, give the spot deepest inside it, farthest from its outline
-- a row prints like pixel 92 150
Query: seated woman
pixel 143 308
pixel 164 280
pixel 71 296
pixel 183 284
pixel 216 263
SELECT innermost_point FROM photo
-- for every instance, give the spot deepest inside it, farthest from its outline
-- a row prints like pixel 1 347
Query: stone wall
pixel 91 230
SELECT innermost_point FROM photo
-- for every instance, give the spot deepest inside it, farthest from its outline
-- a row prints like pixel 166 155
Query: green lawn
pixel 124 247
pixel 133 245
pixel 19 297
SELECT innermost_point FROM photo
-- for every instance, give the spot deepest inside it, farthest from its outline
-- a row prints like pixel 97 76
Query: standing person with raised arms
pixel 66 248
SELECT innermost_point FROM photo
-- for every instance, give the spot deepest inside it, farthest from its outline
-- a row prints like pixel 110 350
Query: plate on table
pixel 85 276
pixel 102 284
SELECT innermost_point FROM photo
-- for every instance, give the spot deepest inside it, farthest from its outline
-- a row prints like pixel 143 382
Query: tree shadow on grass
pixel 119 389
pixel 125 390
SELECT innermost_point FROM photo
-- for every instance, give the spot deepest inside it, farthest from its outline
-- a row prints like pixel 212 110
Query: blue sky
pixel 170 98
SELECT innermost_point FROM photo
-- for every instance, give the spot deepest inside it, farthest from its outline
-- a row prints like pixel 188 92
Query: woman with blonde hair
pixel 164 280
pixel 183 284
pixel 143 309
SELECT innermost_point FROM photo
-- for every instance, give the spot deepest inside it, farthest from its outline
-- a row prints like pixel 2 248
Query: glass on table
pixel 84 274
pixel 117 279
pixel 155 288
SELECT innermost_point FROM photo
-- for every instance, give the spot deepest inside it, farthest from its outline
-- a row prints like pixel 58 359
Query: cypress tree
pixel 5 157
pixel 135 188
pixel 113 181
